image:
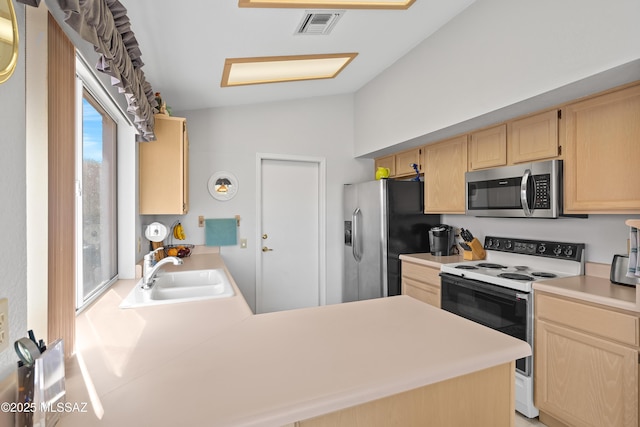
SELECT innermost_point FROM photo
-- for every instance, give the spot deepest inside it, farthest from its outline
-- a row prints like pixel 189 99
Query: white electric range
pixel 497 292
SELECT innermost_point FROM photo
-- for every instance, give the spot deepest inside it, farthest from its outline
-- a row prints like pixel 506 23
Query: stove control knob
pixel 542 249
pixel 496 244
pixel 507 244
pixel 488 243
pixel 557 250
pixel 568 251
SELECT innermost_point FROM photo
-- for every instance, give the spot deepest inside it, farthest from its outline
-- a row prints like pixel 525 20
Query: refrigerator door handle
pixel 355 248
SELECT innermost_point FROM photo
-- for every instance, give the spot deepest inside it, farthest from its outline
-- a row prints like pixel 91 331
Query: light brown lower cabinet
pixel 421 282
pixel 583 375
pixel 483 398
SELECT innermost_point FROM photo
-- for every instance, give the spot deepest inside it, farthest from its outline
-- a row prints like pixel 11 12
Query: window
pixel 96 196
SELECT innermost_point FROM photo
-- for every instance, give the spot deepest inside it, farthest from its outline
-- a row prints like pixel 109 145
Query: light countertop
pixel 431 260
pixel 214 363
pixel 593 289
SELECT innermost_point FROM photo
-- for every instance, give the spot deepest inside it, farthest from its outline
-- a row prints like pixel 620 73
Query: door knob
pixel 264 236
pixel 266 249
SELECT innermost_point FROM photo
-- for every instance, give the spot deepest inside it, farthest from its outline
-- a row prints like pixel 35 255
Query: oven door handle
pixel 487 288
pixel 524 193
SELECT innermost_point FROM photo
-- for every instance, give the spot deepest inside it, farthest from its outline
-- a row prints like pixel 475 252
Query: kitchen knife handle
pixel 355 247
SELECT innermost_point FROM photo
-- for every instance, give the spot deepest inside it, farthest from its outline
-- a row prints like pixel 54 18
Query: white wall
pixel 227 139
pixel 13 264
pixel 494 54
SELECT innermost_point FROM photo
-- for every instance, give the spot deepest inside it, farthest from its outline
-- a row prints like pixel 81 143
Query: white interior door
pixel 290 244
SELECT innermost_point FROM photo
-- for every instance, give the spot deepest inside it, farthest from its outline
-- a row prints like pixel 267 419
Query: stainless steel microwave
pixel 521 191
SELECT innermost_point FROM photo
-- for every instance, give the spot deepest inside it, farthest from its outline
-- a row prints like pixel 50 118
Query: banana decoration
pixel 178 232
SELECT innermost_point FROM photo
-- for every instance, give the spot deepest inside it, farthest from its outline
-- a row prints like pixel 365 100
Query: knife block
pixel 477 251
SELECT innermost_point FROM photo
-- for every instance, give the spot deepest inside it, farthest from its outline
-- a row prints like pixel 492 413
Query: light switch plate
pixel 243 243
pixel 4 324
pixel 201 221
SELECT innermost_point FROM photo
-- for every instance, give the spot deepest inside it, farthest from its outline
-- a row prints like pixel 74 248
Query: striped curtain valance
pixel 104 23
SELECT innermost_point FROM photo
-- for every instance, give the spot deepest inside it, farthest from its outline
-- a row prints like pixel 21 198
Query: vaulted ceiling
pixel 184 46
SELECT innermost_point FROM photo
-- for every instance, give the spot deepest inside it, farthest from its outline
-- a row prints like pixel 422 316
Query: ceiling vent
pixel 319 22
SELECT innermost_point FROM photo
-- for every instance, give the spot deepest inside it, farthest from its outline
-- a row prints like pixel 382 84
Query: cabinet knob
pixel 264 236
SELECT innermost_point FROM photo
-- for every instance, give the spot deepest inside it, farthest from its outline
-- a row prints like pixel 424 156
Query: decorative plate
pixel 223 185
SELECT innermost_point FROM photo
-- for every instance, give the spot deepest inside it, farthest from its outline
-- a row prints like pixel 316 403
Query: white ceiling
pixel 184 45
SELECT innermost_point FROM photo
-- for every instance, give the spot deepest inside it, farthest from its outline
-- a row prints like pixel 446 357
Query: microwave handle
pixel 524 184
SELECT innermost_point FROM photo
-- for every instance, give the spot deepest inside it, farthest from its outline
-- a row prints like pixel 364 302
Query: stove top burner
pixel 491 265
pixel 543 274
pixel 467 267
pixel 515 276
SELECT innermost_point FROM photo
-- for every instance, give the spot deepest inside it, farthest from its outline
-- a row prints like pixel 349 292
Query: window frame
pixel 87 81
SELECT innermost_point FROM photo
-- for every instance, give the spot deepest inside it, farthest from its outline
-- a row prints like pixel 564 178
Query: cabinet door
pixel 602 140
pixel 534 138
pixel 445 165
pixel 163 172
pixel 404 160
pixel 585 381
pixel 488 148
pixel 386 162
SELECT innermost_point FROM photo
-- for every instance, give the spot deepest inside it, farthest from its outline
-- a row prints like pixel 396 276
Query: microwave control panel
pixel 543 191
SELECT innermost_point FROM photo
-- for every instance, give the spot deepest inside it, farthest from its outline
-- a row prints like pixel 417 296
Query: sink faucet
pixel 149 270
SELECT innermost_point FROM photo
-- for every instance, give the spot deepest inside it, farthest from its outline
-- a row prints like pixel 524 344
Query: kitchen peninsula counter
pixel 214 363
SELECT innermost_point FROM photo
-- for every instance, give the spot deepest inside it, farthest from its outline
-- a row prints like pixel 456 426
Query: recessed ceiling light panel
pixel 273 69
pixel 321 4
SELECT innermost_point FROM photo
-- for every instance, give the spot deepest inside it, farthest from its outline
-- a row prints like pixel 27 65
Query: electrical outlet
pixel 4 324
pixel 200 221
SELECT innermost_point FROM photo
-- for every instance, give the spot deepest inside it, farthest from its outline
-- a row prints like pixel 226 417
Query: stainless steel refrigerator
pixel 382 219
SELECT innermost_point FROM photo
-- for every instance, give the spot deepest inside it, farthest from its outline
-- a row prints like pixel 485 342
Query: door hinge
pixel 559 150
pixel 559 114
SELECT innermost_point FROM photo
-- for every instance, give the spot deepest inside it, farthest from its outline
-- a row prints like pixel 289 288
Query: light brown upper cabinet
pixel 388 162
pixel 445 164
pixel 164 168
pixel 534 138
pixel 399 164
pixel 488 148
pixel 405 159
pixel 602 143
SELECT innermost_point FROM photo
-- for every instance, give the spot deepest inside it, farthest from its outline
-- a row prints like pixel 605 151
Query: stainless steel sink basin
pixel 183 286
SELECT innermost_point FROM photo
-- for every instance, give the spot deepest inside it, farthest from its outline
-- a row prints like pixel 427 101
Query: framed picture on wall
pixel 223 185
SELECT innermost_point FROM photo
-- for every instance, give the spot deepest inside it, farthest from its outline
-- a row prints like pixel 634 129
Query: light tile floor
pixel 522 421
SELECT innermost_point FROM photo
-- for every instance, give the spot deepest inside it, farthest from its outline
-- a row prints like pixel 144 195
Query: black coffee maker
pixel 442 239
